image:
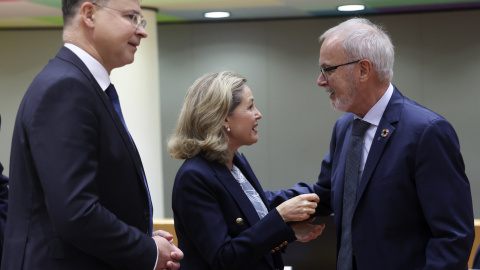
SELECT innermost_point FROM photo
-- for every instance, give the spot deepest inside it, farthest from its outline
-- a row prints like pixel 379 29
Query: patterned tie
pixel 251 193
pixel 352 170
pixel 113 96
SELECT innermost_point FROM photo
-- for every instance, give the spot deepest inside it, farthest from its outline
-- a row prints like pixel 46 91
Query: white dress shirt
pixel 373 116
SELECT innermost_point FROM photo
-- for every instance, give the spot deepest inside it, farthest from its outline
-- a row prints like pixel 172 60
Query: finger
pixel 312 197
pixel 163 234
pixel 320 229
pixel 177 254
pixel 173 264
pixel 310 220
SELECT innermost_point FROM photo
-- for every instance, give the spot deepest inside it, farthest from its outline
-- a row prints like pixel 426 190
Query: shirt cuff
pixel 156 261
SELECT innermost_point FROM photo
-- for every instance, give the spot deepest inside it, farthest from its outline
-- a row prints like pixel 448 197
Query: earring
pixel 228 128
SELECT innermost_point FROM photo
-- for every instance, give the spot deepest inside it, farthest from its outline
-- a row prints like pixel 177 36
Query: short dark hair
pixel 70 7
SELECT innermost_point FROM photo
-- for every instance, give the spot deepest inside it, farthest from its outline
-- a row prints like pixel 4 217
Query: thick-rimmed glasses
pixel 326 70
pixel 136 19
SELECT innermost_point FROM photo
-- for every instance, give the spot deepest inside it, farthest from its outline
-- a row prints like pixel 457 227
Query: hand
pixel 168 254
pixel 164 234
pixel 298 208
pixel 304 231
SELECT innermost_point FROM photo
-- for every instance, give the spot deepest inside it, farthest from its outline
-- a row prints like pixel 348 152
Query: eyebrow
pixel 133 11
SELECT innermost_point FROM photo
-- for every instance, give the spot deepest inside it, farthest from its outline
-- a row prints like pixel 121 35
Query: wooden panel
pixel 166 225
pixel 476 242
pixel 297 253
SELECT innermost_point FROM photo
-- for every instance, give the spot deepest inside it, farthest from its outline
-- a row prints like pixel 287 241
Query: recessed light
pixel 217 14
pixel 351 8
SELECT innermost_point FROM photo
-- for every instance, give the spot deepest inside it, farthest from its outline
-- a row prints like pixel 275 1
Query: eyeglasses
pixel 136 19
pixel 325 70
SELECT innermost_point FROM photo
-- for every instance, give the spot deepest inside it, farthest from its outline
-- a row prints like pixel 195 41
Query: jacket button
pixel 239 221
pixel 146 215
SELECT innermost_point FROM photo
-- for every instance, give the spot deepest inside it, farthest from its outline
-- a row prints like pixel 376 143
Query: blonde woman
pixel 223 218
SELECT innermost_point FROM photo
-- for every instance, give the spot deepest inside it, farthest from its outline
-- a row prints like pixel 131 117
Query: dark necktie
pixel 113 96
pixel 352 171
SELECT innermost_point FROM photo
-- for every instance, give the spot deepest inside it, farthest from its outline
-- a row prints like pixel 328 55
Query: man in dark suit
pixel 78 197
pixel 3 203
pixel 412 205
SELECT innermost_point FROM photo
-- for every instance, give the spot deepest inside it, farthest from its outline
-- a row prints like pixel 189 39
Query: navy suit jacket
pixel 413 208
pixel 3 204
pixel 77 195
pixel 216 224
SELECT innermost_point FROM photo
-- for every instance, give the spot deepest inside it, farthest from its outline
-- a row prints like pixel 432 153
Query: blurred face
pixel 114 37
pixel 243 122
pixel 341 84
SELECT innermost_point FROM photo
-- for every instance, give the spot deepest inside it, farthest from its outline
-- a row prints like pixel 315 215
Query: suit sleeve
pixel 207 228
pixel 444 194
pixel 3 205
pixel 64 140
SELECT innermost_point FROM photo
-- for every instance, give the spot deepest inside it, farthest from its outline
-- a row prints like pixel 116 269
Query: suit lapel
pixel 376 150
pixel 241 162
pixel 389 119
pixel 226 178
pixel 67 55
pixel 243 165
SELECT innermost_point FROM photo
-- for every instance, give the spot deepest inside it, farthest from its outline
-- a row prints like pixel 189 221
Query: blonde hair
pixel 207 103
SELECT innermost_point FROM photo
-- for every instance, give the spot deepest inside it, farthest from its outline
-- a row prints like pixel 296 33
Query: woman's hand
pixel 298 208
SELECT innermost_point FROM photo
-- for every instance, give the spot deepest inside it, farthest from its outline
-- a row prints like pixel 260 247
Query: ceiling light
pixel 217 14
pixel 351 8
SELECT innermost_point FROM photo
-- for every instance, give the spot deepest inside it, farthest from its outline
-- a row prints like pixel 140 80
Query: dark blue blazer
pixel 414 207
pixel 77 196
pixel 3 204
pixel 216 224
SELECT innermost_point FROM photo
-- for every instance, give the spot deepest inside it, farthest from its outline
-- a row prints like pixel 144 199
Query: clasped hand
pixel 304 231
pixel 298 210
pixel 168 254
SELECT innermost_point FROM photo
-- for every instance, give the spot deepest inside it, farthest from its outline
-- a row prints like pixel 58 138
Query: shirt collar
pixel 98 71
pixel 374 115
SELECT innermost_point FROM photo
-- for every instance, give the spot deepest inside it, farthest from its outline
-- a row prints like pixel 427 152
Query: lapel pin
pixel 384 133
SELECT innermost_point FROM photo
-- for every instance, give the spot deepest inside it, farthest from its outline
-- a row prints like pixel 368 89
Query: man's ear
pixel 366 69
pixel 87 12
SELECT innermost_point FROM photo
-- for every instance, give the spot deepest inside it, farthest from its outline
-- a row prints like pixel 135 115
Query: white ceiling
pixel 47 13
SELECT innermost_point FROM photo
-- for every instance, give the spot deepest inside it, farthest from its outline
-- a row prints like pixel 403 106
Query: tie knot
pixel 111 92
pixel 359 127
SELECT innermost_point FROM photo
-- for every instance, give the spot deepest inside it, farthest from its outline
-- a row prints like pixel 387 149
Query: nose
pixel 321 81
pixel 140 31
pixel 258 115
